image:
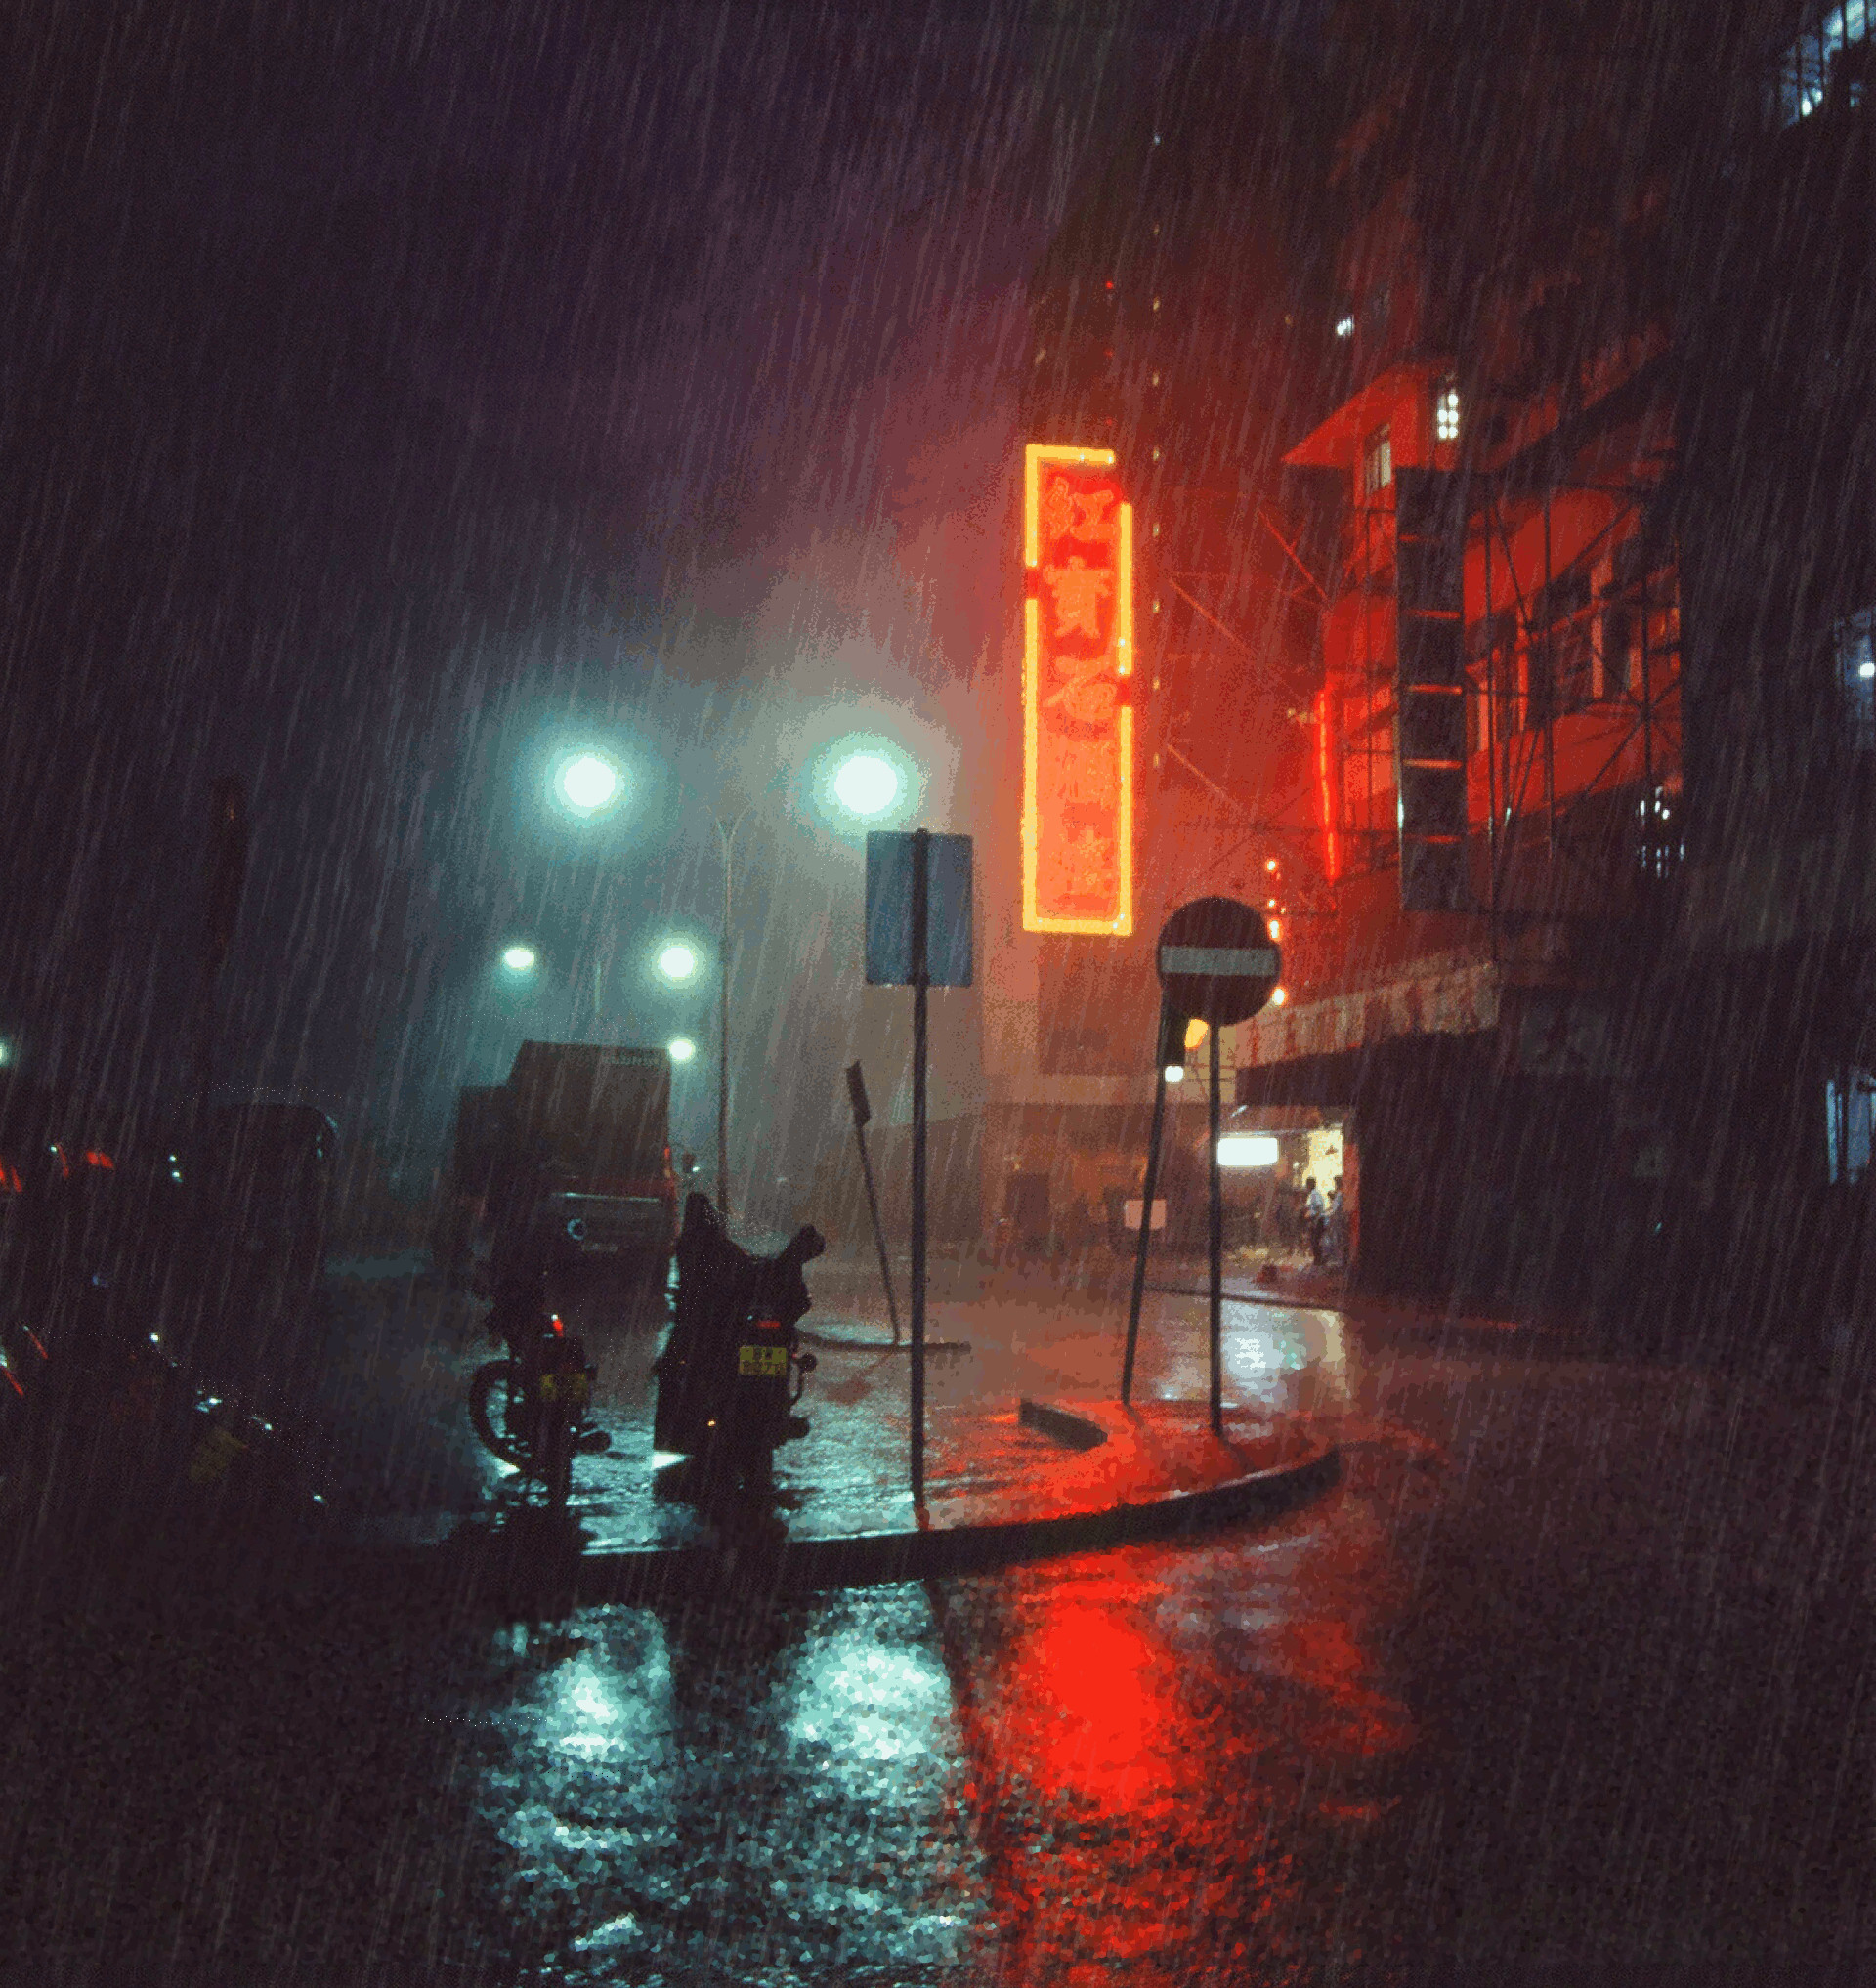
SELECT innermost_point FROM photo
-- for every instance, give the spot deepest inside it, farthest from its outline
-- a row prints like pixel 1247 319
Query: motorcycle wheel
pixel 494 1388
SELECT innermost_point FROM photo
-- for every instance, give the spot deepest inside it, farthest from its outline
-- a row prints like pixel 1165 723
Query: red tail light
pixel 559 1329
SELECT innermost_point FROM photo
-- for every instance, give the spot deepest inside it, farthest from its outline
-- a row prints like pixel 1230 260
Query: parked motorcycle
pixel 529 1408
pixel 731 1373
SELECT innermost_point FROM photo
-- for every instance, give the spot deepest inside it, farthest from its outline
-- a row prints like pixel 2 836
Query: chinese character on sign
pixel 1078 591
pixel 1090 694
pixel 1084 771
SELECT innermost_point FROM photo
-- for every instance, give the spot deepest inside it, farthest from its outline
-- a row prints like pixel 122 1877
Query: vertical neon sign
pixel 1078 705
pixel 1330 865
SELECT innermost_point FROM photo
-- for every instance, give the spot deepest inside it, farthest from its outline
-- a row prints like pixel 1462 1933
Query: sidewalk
pixel 1003 1484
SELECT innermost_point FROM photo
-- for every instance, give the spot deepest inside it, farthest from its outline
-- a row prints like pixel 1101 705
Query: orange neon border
pixel 1035 455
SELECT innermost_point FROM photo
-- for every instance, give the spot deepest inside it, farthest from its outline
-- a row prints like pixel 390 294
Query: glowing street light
pixel 680 1048
pixel 678 962
pixel 867 785
pixel 520 959
pixel 589 782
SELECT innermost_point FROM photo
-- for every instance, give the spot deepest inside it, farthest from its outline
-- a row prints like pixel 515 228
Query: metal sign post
pixel 1218 964
pixel 921 999
pixel 861 1118
pixel 1214 1249
pixel 917 911
pixel 1171 1033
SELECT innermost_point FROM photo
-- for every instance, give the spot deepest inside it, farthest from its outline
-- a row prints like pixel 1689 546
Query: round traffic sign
pixel 1217 962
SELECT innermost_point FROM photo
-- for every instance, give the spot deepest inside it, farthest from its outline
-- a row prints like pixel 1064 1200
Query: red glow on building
pixel 1329 864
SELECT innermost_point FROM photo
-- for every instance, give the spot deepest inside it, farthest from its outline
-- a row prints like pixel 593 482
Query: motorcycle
pixel 529 1408
pixel 731 1373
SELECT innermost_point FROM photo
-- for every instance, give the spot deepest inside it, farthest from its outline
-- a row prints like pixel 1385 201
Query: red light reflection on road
pixel 1187 1745
pixel 1100 1707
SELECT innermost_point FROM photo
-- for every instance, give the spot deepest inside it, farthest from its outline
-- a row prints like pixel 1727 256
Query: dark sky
pixel 391 393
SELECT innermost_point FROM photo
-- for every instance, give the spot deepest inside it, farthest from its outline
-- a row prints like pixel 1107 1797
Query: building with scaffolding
pixel 1497 727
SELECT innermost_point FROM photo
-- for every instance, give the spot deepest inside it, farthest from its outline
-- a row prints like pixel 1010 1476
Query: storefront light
pixel 1248 1148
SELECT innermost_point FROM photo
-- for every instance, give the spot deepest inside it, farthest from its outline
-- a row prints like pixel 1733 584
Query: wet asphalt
pixel 1566 1679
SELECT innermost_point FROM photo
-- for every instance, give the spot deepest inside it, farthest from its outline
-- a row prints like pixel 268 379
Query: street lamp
pixel 519 960
pixel 680 1048
pixel 677 962
pixel 867 785
pixel 587 782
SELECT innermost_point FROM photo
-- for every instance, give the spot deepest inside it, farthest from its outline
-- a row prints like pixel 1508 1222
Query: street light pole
pixel 727 838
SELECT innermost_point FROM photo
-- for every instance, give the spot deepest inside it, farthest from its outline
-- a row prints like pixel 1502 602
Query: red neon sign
pixel 1078 713
pixel 1329 859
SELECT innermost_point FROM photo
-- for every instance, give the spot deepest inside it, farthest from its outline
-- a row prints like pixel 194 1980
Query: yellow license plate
pixel 764 1362
pixel 570 1388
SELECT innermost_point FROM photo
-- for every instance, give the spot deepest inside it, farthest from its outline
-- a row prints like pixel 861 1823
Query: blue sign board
pixel 889 887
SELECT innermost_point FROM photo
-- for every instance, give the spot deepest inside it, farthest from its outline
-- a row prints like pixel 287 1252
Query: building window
pixel 1849 1097
pixel 1853 640
pixel 1376 462
pixel 1446 412
pixel 1564 616
pixel 1661 844
pixel 1831 57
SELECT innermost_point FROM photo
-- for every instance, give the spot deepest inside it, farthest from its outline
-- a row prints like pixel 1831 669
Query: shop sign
pixel 1078 713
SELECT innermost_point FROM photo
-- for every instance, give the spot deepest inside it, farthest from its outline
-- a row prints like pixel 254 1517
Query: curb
pixel 522 1565
pixel 1072 1431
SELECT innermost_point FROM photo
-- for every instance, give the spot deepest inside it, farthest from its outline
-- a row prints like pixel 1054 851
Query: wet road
pixel 1567 1680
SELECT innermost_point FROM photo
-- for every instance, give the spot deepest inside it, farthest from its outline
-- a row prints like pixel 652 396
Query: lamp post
pixel 865 785
pixel 726 838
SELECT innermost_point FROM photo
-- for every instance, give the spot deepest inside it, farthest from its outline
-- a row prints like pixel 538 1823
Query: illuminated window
pixel 1446 414
pixel 1376 462
pixel 1829 59
pixel 1848 1117
pixel 1854 640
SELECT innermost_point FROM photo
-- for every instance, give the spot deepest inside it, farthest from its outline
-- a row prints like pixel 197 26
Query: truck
pixel 573 1153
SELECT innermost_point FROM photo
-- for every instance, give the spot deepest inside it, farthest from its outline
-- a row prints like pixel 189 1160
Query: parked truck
pixel 573 1152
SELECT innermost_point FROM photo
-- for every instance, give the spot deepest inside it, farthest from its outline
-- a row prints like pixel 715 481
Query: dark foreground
pixel 1566 1680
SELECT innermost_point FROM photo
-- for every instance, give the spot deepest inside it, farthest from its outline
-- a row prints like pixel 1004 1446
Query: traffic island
pixel 1001 1488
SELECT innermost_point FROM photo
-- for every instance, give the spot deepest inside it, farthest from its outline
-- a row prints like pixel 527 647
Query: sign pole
pixel 1217 1241
pixel 861 1113
pixel 920 996
pixel 1146 1214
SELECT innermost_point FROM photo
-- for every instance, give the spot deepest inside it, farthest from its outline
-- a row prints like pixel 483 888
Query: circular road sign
pixel 1217 962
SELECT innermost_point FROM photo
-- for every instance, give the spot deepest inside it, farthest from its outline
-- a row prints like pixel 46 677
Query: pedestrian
pixel 1335 1228
pixel 1315 1217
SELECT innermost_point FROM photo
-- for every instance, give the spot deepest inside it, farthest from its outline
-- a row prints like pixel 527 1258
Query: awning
pixel 1451 997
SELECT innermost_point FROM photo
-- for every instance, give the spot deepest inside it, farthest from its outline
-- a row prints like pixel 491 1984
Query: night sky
pixel 395 397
